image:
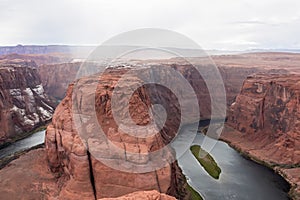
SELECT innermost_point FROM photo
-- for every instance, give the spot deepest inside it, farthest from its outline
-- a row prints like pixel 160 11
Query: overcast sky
pixel 223 24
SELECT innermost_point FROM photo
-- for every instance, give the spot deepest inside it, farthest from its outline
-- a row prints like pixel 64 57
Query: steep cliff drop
pixel 84 175
pixel 76 172
pixel 23 103
pixel 57 77
pixel 266 122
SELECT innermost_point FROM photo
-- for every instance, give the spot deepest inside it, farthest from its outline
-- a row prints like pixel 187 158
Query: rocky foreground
pixel 38 182
pixel 265 124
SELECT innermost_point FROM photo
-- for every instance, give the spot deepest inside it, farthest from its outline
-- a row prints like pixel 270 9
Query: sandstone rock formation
pixel 38 182
pixel 267 111
pixel 234 69
pixel 292 175
pixel 77 159
pixel 57 77
pixel 73 159
pixel 266 115
pixel 23 103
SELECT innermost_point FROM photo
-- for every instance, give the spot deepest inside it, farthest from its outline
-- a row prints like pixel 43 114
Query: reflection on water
pixel 26 143
pixel 240 178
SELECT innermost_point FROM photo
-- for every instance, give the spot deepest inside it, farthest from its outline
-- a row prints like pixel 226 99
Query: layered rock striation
pixel 266 122
pixel 267 112
pixel 263 123
pixel 23 103
pixel 57 77
pixel 79 153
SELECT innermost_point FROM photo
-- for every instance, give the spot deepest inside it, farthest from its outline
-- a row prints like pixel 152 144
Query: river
pixel 21 145
pixel 240 178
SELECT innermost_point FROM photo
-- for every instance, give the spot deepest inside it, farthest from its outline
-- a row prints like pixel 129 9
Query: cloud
pixel 215 24
pixel 250 22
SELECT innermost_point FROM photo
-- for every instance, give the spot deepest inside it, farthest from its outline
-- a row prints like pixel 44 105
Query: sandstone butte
pixel 78 167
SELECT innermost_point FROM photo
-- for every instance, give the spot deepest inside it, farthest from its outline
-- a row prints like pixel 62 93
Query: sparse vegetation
pixel 206 161
pixel 194 195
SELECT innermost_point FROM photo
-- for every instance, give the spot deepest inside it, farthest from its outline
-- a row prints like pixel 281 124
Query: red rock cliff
pixel 23 103
pixel 267 111
pixel 85 176
pixel 266 119
pixel 57 77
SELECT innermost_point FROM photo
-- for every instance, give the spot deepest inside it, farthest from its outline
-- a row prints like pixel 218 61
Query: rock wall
pixel 23 104
pixel 74 158
pixel 267 111
pixel 266 122
pixel 66 150
pixel 57 77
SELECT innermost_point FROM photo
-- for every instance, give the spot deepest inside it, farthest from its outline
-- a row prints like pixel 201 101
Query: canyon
pixel 57 77
pixel 263 123
pixel 24 105
pixel 66 150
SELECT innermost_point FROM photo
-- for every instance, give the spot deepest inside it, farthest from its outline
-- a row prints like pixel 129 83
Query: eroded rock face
pixel 267 112
pixel 266 122
pixel 66 150
pixel 23 103
pixel 292 175
pixel 57 77
pixel 88 177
